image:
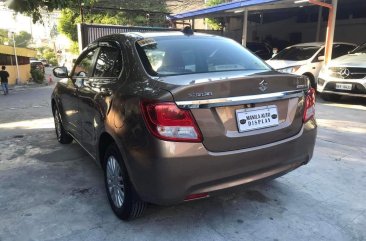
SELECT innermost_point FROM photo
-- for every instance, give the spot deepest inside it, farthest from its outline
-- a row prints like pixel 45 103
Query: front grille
pixel 356 88
pixel 354 73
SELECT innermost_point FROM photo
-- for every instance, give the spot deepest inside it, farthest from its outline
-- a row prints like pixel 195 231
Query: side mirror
pixel 321 58
pixel 60 72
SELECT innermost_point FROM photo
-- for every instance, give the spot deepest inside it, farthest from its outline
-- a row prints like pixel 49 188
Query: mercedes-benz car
pixel 176 116
pixel 344 76
pixel 306 59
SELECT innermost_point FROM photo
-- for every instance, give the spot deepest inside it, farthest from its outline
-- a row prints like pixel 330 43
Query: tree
pixel 3 36
pixel 22 39
pixel 215 23
pixel 127 12
pixel 34 8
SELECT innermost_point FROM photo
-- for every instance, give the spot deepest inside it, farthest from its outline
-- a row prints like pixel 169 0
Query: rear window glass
pixel 177 56
pixel 297 53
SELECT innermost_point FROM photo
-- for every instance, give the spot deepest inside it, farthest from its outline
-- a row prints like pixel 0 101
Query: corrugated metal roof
pixel 24 52
pixel 220 8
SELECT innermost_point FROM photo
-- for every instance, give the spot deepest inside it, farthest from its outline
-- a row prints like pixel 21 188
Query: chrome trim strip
pixel 239 100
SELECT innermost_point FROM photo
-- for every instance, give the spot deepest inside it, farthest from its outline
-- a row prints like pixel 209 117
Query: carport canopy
pixel 236 8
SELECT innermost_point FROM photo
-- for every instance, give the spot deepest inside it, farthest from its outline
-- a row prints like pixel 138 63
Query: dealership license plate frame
pixel 340 86
pixel 247 114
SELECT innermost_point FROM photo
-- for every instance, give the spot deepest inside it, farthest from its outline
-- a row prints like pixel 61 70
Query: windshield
pixel 297 53
pixel 359 49
pixel 177 56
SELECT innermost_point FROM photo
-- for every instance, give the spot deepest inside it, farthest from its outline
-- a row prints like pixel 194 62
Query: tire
pixel 122 197
pixel 330 97
pixel 62 136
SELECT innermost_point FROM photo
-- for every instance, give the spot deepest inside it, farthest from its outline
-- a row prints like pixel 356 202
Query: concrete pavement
pixel 50 191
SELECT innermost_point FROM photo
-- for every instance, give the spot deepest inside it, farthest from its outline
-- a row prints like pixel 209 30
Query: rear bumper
pixel 181 169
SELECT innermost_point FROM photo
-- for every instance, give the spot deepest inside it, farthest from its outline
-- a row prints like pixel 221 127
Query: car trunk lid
pixel 220 101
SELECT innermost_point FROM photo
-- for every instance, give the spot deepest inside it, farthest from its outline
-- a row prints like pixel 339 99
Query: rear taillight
pixel 167 122
pixel 309 110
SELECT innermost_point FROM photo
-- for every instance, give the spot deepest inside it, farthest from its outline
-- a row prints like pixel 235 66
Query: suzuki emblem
pixel 263 85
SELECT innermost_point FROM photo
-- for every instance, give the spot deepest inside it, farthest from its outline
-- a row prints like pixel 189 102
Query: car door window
pixel 108 63
pixel 83 67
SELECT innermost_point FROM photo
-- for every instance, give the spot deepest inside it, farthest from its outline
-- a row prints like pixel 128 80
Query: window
pixel 297 53
pixel 177 56
pixel 84 65
pixel 341 49
pixel 109 63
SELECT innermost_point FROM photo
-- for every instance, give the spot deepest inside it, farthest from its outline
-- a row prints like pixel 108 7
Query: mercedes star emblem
pixel 263 85
pixel 344 73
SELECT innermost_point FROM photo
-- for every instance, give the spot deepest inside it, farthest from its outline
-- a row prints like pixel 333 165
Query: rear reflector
pixel 167 122
pixel 196 196
pixel 309 108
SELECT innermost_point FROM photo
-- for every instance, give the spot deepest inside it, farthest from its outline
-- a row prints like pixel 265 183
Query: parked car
pixel 45 62
pixel 263 50
pixel 344 76
pixel 37 64
pixel 306 59
pixel 174 117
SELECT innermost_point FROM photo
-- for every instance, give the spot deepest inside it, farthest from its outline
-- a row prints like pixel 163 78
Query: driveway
pixel 50 191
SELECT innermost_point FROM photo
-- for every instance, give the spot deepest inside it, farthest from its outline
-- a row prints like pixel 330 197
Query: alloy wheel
pixel 115 181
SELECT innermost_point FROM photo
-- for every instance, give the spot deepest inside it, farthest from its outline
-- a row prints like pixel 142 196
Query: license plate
pixel 344 86
pixel 256 118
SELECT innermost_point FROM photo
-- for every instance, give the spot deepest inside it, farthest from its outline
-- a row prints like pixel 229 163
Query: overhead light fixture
pixel 301 1
pixel 239 11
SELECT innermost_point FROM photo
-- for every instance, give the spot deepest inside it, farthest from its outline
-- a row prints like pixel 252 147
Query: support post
pixel 16 59
pixel 192 24
pixel 330 32
pixel 245 28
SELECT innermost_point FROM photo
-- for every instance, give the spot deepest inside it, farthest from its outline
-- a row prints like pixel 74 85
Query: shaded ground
pixel 53 192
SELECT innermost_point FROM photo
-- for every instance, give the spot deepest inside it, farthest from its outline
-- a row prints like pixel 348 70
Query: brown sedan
pixel 173 117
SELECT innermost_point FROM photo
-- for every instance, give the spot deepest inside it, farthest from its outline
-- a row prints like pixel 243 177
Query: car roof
pixel 165 34
pixel 318 44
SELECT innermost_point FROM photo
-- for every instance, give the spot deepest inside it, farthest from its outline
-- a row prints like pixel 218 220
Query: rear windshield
pixel 177 56
pixel 297 53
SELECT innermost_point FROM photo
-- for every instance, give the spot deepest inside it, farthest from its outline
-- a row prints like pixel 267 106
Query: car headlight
pixel 325 70
pixel 289 70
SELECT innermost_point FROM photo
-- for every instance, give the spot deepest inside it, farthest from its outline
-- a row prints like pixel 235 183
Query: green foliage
pixel 3 36
pixel 74 48
pixel 214 2
pixel 37 76
pixel 48 54
pixel 22 39
pixel 215 23
pixel 67 24
pixel 34 8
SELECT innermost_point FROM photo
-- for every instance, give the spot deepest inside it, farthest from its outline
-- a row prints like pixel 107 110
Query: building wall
pixel 24 73
pixel 8 60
